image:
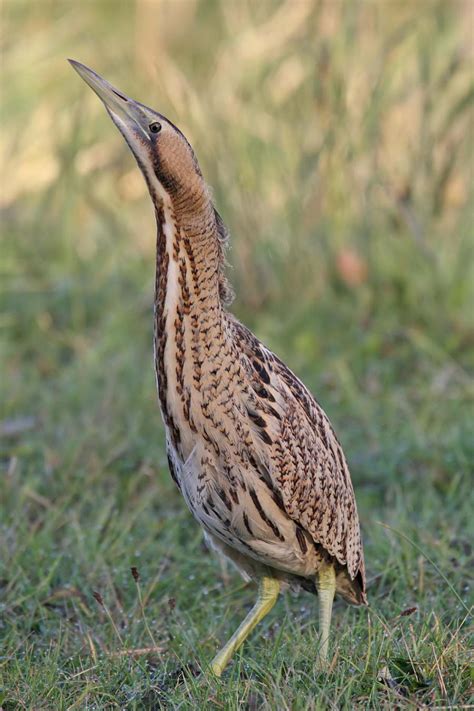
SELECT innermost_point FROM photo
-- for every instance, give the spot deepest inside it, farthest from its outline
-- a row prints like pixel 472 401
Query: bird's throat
pixel 189 320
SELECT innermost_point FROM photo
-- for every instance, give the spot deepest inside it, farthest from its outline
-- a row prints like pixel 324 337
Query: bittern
pixel 250 449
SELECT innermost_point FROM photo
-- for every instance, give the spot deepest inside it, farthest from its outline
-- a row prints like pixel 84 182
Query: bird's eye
pixel 155 127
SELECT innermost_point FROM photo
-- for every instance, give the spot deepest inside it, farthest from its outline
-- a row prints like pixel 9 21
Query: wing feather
pixel 305 461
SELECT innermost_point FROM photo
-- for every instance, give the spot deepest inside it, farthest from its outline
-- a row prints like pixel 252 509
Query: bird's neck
pixel 189 318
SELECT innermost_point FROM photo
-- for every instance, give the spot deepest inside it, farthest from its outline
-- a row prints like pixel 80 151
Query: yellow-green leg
pixel 267 595
pixel 326 587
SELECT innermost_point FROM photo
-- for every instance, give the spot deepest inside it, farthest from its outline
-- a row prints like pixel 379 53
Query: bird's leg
pixel 224 570
pixel 326 587
pixel 267 595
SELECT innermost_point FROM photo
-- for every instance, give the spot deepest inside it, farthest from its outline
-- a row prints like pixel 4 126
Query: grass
pixel 347 191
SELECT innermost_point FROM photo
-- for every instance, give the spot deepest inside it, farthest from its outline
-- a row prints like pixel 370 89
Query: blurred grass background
pixel 337 137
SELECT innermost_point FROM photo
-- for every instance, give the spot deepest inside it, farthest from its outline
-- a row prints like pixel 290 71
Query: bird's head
pixel 162 152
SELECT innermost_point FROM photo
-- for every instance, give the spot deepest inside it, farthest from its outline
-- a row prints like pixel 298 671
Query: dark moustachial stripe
pixel 169 183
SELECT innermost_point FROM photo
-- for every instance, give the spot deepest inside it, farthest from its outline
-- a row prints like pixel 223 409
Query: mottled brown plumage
pixel 251 450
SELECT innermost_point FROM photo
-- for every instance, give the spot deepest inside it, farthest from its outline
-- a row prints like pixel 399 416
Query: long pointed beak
pixel 119 106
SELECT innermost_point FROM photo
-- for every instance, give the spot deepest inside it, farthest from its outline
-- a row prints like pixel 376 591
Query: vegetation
pixel 338 139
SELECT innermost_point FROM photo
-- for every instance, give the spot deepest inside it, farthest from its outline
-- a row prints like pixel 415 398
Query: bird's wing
pixel 301 454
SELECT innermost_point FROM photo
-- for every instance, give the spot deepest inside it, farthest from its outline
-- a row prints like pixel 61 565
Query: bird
pixel 252 452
